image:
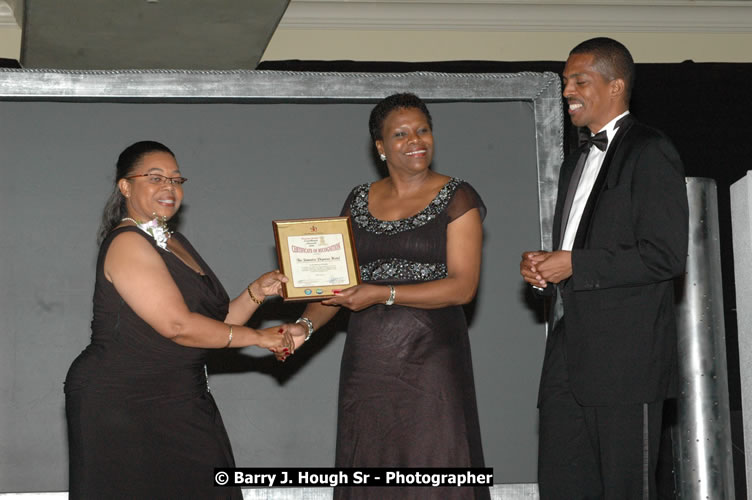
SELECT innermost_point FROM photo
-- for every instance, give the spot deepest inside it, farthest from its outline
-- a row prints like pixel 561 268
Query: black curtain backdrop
pixel 704 108
pixel 9 63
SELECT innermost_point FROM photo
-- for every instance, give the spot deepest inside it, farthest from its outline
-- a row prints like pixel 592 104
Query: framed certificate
pixel 317 255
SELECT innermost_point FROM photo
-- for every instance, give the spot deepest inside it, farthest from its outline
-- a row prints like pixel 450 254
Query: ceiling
pixel 146 34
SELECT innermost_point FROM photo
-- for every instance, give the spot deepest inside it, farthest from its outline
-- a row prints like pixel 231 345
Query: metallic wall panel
pixel 741 222
pixel 702 435
pixel 190 34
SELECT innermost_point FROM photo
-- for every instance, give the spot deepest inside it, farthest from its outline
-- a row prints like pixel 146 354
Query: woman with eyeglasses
pixel 141 420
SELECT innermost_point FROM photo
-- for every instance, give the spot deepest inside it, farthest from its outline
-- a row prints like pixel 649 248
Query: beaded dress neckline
pixel 363 217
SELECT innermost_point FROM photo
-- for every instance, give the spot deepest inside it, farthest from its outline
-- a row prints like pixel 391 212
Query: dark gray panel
pixel 247 164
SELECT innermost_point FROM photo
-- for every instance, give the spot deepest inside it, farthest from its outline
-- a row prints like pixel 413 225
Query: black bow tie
pixel 599 140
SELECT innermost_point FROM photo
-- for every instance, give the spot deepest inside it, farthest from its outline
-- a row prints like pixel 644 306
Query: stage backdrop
pixel 257 146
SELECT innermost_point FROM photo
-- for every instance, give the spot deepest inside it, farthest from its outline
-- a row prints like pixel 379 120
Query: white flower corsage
pixel 156 228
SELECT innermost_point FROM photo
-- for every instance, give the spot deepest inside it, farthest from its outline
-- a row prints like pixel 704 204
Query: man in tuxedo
pixel 620 237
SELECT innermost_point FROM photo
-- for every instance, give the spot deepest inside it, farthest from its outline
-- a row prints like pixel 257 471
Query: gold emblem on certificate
pixel 317 255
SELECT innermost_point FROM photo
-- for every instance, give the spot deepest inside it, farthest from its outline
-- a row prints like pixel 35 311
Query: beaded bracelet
pixel 392 294
pixel 253 297
pixel 308 323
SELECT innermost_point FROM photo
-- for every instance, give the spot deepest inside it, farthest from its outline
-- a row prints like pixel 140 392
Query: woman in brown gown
pixel 141 420
pixel 407 395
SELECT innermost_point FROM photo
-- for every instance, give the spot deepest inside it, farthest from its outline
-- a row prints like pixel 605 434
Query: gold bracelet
pixel 229 339
pixel 253 297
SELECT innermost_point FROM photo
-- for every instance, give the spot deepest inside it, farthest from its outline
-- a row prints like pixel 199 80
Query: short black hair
pixel 389 104
pixel 612 60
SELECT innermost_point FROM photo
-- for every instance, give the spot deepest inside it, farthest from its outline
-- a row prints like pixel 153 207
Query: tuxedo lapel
pixel 556 309
pixel 565 177
pixel 613 172
pixel 600 182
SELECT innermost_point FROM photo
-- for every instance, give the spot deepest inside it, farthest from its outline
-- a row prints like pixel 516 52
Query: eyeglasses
pixel 158 179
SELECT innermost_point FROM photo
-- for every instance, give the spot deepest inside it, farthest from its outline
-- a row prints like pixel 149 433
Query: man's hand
pixel 529 267
pixel 556 267
pixel 540 268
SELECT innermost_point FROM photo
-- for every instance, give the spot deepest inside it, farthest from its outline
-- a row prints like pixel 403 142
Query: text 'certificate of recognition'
pixel 317 255
pixel 318 260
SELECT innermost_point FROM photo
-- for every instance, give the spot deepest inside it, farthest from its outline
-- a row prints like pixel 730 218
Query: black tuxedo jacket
pixel 631 243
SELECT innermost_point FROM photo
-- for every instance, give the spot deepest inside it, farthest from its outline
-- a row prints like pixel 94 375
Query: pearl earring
pixel 382 156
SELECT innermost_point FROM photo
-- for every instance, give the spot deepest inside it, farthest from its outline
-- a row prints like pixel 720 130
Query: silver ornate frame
pixel 543 90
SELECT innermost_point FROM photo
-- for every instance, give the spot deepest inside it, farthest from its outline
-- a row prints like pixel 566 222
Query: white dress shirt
pixel 589 175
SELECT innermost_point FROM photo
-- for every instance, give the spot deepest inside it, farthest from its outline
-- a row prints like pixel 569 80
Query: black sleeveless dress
pixel 407 395
pixel 141 421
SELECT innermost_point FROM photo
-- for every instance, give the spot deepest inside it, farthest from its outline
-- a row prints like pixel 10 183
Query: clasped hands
pixel 278 339
pixel 294 336
pixel 539 268
pixel 355 298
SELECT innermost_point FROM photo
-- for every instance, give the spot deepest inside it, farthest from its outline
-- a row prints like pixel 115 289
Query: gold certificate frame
pixel 317 255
